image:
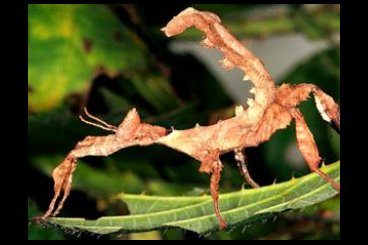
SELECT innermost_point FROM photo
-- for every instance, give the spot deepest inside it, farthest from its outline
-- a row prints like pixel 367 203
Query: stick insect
pixel 272 109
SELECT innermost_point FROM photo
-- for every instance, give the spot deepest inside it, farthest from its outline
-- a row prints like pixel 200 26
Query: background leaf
pixel 68 45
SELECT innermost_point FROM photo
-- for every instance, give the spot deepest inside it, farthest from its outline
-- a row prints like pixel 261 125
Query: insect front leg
pixel 308 147
pixel 328 108
pixel 291 95
pixel 67 185
pixel 242 162
pixel 62 175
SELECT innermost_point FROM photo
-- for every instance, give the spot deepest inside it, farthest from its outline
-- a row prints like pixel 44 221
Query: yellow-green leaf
pixel 68 45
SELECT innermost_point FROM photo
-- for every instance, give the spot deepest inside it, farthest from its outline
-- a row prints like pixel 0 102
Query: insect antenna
pixel 104 125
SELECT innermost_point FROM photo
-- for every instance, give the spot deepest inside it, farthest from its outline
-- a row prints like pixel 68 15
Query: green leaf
pixel 68 45
pixel 196 213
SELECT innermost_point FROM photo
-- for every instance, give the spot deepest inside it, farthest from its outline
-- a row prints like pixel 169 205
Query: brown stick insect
pixel 272 109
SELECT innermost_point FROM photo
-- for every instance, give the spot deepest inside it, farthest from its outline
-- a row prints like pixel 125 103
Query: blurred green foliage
pixel 68 45
pixel 112 58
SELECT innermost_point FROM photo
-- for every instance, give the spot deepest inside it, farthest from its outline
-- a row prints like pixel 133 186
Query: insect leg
pixel 212 164
pixel 242 162
pixel 61 175
pixel 215 184
pixel 291 95
pixel 328 108
pixel 66 186
pixel 57 190
pixel 308 147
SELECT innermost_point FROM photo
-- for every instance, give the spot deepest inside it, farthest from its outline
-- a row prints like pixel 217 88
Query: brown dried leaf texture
pixel 273 108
